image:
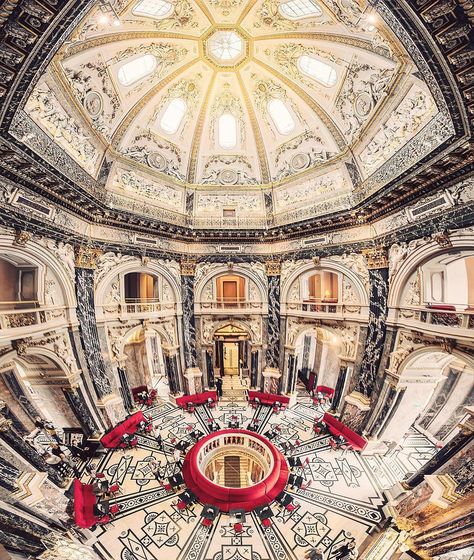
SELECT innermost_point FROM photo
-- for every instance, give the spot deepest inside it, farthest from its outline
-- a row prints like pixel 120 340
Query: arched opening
pixel 432 392
pixel 145 363
pixel 317 358
pixel 321 287
pixel 231 350
pixel 18 283
pixel 141 289
pixel 230 290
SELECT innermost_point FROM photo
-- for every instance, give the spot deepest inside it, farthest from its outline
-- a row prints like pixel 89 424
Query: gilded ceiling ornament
pixel 269 15
pixel 182 16
pixel 226 6
pixel 228 170
pixel 226 102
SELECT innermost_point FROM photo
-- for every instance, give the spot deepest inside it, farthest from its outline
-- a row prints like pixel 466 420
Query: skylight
pixel 319 71
pixel 281 116
pixel 136 69
pixel 227 131
pixel 225 45
pixel 299 9
pixel 158 9
pixel 173 116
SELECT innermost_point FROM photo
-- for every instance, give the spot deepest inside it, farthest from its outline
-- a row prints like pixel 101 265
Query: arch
pixel 330 266
pixel 236 269
pixel 235 323
pixel 418 352
pixel 164 336
pixel 152 268
pixel 41 257
pixel 421 255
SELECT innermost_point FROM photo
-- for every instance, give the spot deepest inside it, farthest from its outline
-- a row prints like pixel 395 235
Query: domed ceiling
pixel 226 111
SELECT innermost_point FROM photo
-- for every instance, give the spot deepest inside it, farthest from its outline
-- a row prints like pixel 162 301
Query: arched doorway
pixel 231 350
pixel 432 392
pixel 317 355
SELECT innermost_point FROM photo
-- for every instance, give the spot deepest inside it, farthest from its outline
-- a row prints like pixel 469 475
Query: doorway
pixel 231 358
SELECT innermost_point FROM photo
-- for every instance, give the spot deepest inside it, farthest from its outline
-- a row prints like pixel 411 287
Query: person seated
pixel 159 441
pixel 125 439
pixel 143 396
pixel 341 441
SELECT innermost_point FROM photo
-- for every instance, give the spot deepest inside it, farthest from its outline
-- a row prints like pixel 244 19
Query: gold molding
pixel 245 11
pixel 325 118
pixel 257 133
pixel 192 163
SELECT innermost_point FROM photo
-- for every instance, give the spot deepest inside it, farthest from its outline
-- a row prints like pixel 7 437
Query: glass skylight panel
pixel 319 71
pixel 227 131
pixel 298 9
pixel 281 116
pixel 225 45
pixel 158 9
pixel 136 69
pixel 173 116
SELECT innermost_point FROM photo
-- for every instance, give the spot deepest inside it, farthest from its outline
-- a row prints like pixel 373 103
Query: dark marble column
pixel 451 449
pixel 189 322
pixel 79 406
pixel 339 389
pixel 17 390
pixel 171 365
pixel 254 368
pixel 376 330
pixel 388 397
pixel 125 390
pixel 8 475
pixel 209 368
pixel 272 355
pixel 291 377
pixel 101 378
pixel 16 442
pixel 21 534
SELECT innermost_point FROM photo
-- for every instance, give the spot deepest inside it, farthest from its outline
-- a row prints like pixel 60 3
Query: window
pixel 225 45
pixel 227 131
pixel 299 9
pixel 228 212
pixel 136 69
pixel 281 116
pixel 319 71
pixel 173 116
pixel 140 286
pixel 158 9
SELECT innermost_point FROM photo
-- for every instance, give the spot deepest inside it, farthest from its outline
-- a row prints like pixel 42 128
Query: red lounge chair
pixel 206 522
pixel 181 505
pixel 290 507
pixel 333 444
pixel 115 489
pixel 114 509
pixel 238 527
pixel 104 520
pixel 266 523
pixel 100 475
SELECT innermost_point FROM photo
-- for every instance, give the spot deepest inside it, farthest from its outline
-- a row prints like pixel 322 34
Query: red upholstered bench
pixel 84 501
pixel 196 399
pixel 137 390
pixel 328 391
pixel 269 399
pixel 337 428
pixel 129 426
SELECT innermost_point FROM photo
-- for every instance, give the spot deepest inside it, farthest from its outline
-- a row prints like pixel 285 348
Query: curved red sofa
pixel 226 499
pixel 129 426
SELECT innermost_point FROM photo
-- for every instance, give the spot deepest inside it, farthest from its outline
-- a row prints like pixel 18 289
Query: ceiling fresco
pixel 215 108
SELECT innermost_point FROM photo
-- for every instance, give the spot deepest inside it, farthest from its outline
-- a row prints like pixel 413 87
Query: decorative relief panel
pixel 245 203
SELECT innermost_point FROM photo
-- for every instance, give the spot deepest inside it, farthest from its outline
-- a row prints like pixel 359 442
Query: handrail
pixel 17 318
pixel 461 319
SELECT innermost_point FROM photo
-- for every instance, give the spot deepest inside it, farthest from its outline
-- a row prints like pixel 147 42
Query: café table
pixel 263 512
pixel 209 512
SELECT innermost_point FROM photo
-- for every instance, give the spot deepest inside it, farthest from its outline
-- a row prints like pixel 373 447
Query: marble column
pixel 339 389
pixel 78 404
pixel 124 384
pixel 454 447
pixel 291 373
pixel 102 375
pixel 209 368
pixel 171 365
pixel 193 374
pixel 358 403
pixel 254 361
pixel 272 354
pixel 15 441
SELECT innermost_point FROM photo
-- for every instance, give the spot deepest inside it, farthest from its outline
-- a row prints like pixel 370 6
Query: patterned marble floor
pixel 343 502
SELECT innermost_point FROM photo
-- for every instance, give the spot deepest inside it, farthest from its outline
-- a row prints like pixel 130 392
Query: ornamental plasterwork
pixel 326 186
pixel 243 203
pixel 132 183
pixel 227 102
pixel 398 252
pixel 225 6
pixel 268 15
pixel 414 111
pixel 94 90
pixel 363 87
pixel 266 90
pixel 157 153
pixel 306 151
pixel 182 16
pixel 189 91
pixel 355 262
pixel 349 337
pixel 64 253
pixel 349 293
pixel 108 261
pixel 228 170
pixel 44 108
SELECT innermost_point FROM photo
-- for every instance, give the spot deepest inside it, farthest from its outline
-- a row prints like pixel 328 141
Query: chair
pixel 290 507
pixel 100 475
pixel 115 489
pixel 189 428
pixel 253 404
pixel 114 509
pixel 206 522
pixel 191 409
pixel 167 486
pixel 266 523
pixel 332 444
pixel 103 520
pixel 238 528
pixel 212 404
pixel 134 442
pixel 182 505
pixel 306 485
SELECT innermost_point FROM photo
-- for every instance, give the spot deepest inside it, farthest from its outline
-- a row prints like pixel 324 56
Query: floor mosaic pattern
pixel 343 501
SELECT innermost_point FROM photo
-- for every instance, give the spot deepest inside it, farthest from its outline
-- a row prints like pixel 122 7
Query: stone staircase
pixel 232 389
pixel 232 474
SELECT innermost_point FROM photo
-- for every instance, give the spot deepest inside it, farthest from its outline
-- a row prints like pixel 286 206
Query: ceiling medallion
pixel 226 47
pixel 228 177
pixel 300 161
pixel 363 104
pixel 157 161
pixel 93 104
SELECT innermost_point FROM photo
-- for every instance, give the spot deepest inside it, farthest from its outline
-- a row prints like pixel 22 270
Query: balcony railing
pixel 230 303
pixel 444 316
pixel 336 310
pixel 138 307
pixel 26 314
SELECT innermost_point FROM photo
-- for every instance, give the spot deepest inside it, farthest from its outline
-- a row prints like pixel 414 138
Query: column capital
pixel 188 267
pixel 377 257
pixel 86 257
pixel 273 268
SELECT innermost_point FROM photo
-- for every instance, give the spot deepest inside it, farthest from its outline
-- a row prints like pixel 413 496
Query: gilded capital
pixel 86 257
pixel 377 257
pixel 273 268
pixel 188 267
